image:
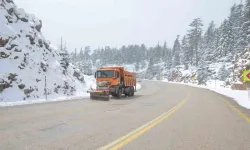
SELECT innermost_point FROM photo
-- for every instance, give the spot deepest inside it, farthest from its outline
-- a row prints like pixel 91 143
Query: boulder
pixel 21 86
pixel 12 77
pixel 10 1
pixel 78 75
pixel 39 26
pixel 239 86
pixel 32 40
pixel 3 55
pixel 40 41
pixel 4 85
pixel 24 19
pixel 3 42
pixel 28 91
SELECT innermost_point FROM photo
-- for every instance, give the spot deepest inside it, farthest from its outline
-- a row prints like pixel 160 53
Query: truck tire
pixel 92 97
pixel 133 92
pixel 119 94
pixel 107 98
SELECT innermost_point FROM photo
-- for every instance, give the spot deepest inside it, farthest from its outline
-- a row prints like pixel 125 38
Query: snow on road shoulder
pixel 90 82
pixel 138 86
pixel 241 97
pixel 27 102
pixel 81 92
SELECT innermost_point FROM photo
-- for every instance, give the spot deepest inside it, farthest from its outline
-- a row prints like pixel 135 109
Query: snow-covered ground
pixel 241 97
pixel 90 81
pixel 26 58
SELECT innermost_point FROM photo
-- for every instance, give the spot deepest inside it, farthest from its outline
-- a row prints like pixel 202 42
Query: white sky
pixel 121 22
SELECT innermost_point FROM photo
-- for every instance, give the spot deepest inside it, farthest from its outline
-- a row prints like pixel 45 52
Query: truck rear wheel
pixel 133 92
pixel 92 97
pixel 119 94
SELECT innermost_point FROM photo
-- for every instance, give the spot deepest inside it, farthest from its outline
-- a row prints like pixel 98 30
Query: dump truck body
pixel 113 81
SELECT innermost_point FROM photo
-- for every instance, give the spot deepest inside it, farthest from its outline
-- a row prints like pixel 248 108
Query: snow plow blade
pixel 95 94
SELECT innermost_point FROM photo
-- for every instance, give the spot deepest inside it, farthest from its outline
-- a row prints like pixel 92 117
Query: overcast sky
pixel 121 22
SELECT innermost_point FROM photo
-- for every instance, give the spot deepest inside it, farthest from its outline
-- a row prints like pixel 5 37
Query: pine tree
pixel 209 44
pixel 81 55
pixel 194 37
pixel 202 76
pixel 236 18
pixel 222 73
pixel 246 22
pixel 226 46
pixel 185 59
pixel 176 52
pixel 137 65
pixel 65 59
pixel 149 72
pixel 74 56
pixel 86 55
pixel 169 60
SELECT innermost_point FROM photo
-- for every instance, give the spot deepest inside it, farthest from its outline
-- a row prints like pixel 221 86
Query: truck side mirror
pixel 95 74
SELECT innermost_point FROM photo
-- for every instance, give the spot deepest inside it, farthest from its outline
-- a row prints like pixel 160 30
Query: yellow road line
pixel 136 133
pixel 238 111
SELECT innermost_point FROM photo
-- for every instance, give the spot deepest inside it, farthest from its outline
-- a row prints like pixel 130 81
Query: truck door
pixel 117 75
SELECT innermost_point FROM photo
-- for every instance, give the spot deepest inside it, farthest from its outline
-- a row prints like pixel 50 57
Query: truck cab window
pixel 117 74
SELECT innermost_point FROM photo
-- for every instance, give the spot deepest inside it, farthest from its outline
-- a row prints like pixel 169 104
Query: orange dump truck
pixel 113 81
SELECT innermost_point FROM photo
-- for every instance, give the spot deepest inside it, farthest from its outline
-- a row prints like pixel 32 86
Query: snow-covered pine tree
pixel 86 55
pixel 185 57
pixel 86 63
pixel 246 24
pixel 209 44
pixel 80 55
pixel 65 59
pixel 168 59
pixel 222 73
pixel 202 74
pixel 137 65
pixel 194 38
pixel 176 52
pixel 149 72
pixel 226 46
pixel 158 53
pixel 74 56
pixel 236 18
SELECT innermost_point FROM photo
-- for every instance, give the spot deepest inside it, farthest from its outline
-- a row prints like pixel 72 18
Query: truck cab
pixel 114 81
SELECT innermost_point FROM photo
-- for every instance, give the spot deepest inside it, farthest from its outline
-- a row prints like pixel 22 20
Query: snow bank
pixel 241 97
pixel 90 82
pixel 138 86
pixel 16 103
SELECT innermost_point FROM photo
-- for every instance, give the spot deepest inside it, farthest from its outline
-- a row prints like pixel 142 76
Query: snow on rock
pixel 26 58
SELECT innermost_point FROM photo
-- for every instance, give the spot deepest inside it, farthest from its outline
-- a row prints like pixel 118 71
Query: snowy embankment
pixel 241 97
pixel 90 82
pixel 81 93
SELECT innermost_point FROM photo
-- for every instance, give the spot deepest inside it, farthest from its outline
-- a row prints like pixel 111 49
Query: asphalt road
pixel 182 118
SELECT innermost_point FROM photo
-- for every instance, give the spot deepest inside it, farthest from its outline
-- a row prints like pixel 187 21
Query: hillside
pixel 202 54
pixel 26 58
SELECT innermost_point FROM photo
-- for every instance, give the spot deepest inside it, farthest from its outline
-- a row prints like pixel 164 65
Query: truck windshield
pixel 105 74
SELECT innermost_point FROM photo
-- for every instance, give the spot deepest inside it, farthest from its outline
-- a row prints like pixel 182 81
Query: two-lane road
pixel 160 116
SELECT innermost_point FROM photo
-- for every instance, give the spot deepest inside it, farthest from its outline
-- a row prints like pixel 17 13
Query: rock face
pixel 27 58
